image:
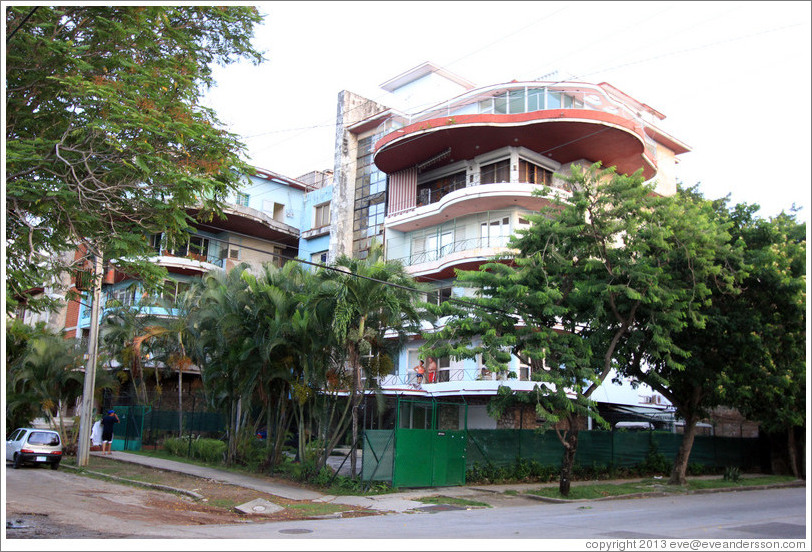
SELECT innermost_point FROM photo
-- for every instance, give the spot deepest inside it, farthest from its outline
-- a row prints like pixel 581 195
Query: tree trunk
pixel 180 401
pixel 681 460
pixel 567 462
pixel 232 433
pixel 356 377
pixel 792 452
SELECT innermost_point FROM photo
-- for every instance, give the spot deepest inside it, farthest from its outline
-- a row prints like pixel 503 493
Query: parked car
pixel 34 446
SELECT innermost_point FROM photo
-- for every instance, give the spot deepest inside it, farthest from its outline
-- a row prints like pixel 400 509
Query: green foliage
pixel 207 450
pixel 521 470
pixel 655 462
pixel 43 375
pixel 694 468
pixel 732 473
pixel 177 446
pixel 106 137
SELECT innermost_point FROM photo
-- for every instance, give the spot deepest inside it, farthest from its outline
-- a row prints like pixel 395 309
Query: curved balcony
pixel 471 199
pixel 565 135
pixel 465 254
pixel 253 223
pixel 190 264
pixel 565 122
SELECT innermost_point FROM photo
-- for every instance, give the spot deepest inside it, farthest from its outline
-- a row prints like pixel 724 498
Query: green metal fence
pixel 128 433
pixel 140 425
pixel 501 447
pixel 411 457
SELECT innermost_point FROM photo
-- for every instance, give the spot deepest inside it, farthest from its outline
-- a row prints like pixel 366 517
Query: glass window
pixel 155 242
pixel 495 172
pixel 43 438
pixel 535 99
pixel 533 174
pixel 199 246
pixel 242 199
pixel 495 233
pixel 516 101
pixel 321 215
pixel 319 258
pixel 553 100
pixel 500 104
pixel 370 194
pixel 486 106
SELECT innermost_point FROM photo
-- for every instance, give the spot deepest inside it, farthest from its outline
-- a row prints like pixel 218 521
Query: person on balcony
pixel 420 370
pixel 432 377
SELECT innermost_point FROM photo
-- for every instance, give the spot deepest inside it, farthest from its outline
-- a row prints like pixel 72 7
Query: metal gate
pixel 127 434
pixel 429 458
pixel 426 448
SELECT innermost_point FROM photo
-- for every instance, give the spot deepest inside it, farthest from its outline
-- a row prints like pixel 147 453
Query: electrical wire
pixel 8 38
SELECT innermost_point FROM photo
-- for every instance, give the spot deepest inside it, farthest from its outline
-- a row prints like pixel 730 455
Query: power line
pixel 21 23
pixel 340 269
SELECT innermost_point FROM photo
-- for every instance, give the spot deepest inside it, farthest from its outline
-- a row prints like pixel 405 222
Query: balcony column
pixel 514 165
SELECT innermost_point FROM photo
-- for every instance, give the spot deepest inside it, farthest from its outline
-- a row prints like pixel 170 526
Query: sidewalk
pixel 401 501
pixel 387 503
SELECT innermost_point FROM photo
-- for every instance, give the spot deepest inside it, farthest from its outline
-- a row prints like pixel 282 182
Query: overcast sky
pixel 732 78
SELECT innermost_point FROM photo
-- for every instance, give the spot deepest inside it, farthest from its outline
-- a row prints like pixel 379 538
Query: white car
pixel 34 446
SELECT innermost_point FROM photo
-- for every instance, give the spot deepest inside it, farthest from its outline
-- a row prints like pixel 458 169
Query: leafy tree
pixel 223 344
pixel 21 407
pixel 126 332
pixel 750 353
pixel 105 136
pixel 50 376
pixel 591 273
pixel 771 319
pixel 372 296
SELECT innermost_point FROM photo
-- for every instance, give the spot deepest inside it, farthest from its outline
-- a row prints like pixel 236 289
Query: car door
pixel 13 444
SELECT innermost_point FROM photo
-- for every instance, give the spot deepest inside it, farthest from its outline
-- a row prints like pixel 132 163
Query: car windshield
pixel 43 438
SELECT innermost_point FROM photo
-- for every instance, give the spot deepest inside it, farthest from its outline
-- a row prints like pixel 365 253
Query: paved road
pixel 87 504
pixel 767 514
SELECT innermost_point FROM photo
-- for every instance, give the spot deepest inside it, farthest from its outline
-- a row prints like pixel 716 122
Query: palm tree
pixel 223 345
pixel 371 296
pixel 50 375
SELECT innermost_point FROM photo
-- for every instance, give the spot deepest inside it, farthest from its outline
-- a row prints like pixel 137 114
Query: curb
pixel 155 486
pixel 655 494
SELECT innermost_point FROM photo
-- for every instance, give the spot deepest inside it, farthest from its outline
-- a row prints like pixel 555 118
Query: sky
pixel 732 78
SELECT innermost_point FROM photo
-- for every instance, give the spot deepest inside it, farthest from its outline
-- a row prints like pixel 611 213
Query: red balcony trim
pixel 498 119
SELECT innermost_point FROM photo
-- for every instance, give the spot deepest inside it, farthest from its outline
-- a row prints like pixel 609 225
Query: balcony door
pixel 495 233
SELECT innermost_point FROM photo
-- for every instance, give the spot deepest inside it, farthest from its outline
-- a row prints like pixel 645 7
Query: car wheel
pixel 55 466
pixel 17 462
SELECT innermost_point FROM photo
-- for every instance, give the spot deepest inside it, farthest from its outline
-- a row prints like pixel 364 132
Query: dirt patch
pixel 219 499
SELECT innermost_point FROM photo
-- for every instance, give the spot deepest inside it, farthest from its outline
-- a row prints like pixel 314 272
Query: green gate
pixel 429 444
pixel 128 433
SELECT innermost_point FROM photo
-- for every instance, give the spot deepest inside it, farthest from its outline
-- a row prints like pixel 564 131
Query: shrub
pixel 732 473
pixel 655 462
pixel 177 446
pixel 695 469
pixel 209 450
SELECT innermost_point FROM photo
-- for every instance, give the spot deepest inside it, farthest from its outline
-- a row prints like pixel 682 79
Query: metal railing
pixel 455 247
pixel 444 375
pixel 581 96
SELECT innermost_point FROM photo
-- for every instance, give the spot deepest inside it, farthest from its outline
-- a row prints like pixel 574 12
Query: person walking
pixel 107 424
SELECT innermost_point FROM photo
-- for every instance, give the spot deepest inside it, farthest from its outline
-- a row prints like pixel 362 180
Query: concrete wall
pixel 352 108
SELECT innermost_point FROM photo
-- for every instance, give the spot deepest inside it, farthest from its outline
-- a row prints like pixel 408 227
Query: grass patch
pixel 318 508
pixel 452 501
pixel 601 490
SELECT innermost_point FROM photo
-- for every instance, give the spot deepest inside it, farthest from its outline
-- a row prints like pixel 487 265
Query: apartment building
pixel 447 174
